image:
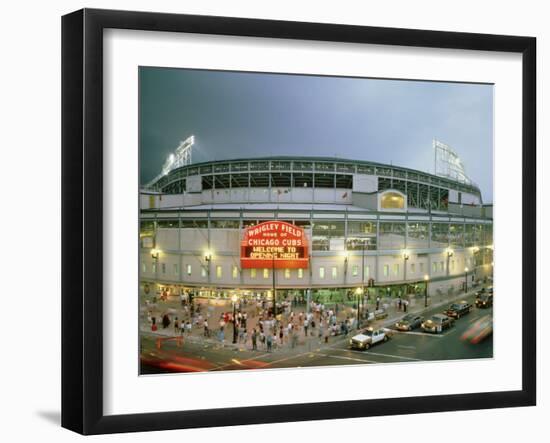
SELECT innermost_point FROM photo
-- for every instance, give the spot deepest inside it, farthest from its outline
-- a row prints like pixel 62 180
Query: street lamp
pixel 155 253
pixel 234 300
pixel 406 256
pixel 426 279
pixel 450 253
pixel 465 280
pixel 346 258
pixel 359 292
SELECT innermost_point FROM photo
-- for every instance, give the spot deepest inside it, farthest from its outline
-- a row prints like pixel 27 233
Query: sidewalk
pixel 312 342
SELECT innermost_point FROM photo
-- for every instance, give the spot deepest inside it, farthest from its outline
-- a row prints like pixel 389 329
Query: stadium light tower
pixel 182 156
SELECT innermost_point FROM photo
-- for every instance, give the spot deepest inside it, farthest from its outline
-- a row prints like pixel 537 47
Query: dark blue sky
pixel 235 115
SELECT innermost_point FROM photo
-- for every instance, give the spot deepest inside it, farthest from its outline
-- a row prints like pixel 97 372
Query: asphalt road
pixel 402 347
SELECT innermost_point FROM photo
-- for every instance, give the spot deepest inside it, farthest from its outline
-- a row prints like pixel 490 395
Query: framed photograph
pixel 269 221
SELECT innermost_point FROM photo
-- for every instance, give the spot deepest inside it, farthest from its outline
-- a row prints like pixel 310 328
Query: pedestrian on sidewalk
pixel 399 303
pixel 254 340
pixel 269 341
pixel 153 324
pixel 176 326
pixel 326 334
pixel 405 304
pixel 306 324
pixel 206 330
pixel 377 303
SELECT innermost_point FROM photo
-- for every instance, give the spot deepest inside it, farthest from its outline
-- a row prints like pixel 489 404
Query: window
pixel 163 267
pixel 203 271
pixel 266 273
pixel 334 272
pixel 418 235
pixel 367 272
pixel 386 270
pixel 188 269
pixel 413 268
pixel 144 267
pixel 434 266
pixel 176 269
pixel 321 272
pixel 421 268
pixel 235 272
pixel 395 269
pixel 218 271
pixel 253 273
pixel 287 273
pixel 452 265
pixel 441 266
pixel 154 268
pixel 392 200
pixel 392 235
pixel 300 273
pixel 354 270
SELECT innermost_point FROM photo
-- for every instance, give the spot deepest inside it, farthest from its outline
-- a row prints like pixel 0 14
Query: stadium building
pixel 324 229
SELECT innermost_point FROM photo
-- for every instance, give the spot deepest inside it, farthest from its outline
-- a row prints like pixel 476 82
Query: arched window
pixel 392 200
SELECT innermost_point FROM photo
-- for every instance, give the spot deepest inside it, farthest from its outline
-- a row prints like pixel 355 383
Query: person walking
pixel 306 325
pixel 269 342
pixel 176 326
pixel 254 340
pixel 405 304
pixel 399 303
pixel 377 303
pixel 206 330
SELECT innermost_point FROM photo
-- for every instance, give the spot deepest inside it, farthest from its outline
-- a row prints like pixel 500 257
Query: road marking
pixel 342 357
pixel 393 356
pixel 426 334
pixel 406 347
pixel 375 353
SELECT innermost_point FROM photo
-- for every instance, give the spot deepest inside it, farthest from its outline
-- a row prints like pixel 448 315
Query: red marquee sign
pixel 274 244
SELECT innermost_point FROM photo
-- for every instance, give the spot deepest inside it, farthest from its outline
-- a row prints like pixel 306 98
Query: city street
pixel 198 354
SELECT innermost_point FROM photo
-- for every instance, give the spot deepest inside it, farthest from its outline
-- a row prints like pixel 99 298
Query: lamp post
pixel 155 254
pixel 359 292
pixel 364 244
pixel 426 279
pixel 450 253
pixel 274 288
pixel 346 257
pixel 234 300
pixel 405 259
pixel 465 280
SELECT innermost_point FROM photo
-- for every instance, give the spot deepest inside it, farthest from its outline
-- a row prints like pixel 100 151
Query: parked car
pixel 457 310
pixel 484 301
pixel 409 322
pixel 437 323
pixel 368 337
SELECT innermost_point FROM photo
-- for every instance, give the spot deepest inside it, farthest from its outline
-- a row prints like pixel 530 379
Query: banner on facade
pixel 274 244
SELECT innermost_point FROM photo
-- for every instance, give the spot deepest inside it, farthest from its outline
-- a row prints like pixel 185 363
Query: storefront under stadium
pixel 387 230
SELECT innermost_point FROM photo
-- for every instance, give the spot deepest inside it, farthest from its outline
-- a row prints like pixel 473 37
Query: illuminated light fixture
pixel 426 277
pixel 406 255
pixel 155 253
pixel 465 269
pixel 359 291
pixel 449 252
pixel 208 255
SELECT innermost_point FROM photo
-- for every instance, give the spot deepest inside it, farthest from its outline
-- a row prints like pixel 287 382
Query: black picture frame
pixel 82 218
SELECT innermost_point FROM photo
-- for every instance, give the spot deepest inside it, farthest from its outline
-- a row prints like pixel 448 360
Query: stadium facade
pixel 369 228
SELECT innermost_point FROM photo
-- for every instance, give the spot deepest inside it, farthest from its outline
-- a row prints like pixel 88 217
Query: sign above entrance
pixel 274 244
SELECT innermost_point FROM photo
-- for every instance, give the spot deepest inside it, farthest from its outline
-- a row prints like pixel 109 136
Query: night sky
pixel 236 115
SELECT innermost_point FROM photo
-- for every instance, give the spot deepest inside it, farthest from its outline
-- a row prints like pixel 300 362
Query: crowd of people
pixel 255 324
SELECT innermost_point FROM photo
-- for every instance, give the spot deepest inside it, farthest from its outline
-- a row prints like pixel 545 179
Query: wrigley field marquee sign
pixel 274 244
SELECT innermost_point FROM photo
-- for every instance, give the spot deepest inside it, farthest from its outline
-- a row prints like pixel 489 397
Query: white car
pixel 368 337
